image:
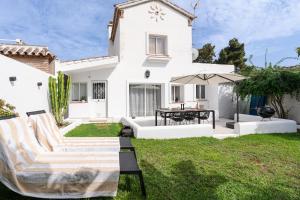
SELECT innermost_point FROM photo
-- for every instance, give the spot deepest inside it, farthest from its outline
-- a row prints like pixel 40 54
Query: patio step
pixel 224 136
pixel 92 120
pixel 100 121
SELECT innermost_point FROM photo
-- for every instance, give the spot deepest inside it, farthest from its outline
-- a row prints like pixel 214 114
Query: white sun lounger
pixel 49 136
pixel 29 169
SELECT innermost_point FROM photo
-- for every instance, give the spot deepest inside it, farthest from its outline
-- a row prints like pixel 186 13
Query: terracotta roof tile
pixel 29 50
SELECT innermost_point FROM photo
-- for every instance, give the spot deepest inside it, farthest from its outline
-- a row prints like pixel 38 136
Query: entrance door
pixel 99 95
pixel 144 99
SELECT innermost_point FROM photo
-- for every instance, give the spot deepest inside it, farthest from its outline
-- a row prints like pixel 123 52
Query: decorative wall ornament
pixel 156 13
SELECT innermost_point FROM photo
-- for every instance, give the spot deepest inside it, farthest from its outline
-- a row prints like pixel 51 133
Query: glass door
pixel 153 99
pixel 144 99
pixel 99 98
pixel 137 100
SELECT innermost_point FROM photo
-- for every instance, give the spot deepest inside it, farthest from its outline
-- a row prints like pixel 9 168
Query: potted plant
pixel 83 99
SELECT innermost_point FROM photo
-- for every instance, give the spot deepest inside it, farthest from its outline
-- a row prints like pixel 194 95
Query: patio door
pixel 99 96
pixel 144 99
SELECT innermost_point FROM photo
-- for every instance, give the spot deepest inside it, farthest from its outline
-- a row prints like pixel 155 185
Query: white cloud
pixel 250 21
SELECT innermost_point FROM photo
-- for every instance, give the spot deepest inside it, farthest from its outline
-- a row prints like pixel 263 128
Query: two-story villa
pixel 150 41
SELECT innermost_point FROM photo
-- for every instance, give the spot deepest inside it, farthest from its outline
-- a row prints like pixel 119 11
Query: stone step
pixel 100 121
pixel 224 136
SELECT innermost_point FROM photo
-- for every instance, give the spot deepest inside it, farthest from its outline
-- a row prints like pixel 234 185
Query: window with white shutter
pixel 158 45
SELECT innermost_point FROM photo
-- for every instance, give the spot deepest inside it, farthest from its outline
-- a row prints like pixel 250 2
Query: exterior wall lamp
pixel 39 84
pixel 147 74
pixel 12 80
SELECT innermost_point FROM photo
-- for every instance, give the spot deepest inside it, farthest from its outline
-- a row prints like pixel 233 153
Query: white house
pixel 150 41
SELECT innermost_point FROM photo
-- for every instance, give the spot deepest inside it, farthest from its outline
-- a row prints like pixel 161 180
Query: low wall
pixel 253 125
pixel 293 105
pixel 24 93
pixel 169 132
pixel 70 127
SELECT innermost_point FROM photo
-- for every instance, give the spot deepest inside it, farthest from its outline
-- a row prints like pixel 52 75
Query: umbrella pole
pixel 237 108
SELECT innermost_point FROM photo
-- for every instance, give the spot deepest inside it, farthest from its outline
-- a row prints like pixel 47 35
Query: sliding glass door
pixel 144 99
pixel 153 99
pixel 137 100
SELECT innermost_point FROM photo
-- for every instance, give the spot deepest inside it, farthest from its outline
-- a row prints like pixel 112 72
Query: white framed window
pixel 79 91
pixel 200 92
pixel 158 45
pixel 176 93
pixel 99 90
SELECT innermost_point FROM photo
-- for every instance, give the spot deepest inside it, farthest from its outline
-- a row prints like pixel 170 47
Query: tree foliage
pixel 206 54
pixel 298 51
pixel 233 54
pixel 272 82
pixel 59 90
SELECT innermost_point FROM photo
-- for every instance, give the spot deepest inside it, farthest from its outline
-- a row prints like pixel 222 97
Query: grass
pixel 250 167
pixel 96 130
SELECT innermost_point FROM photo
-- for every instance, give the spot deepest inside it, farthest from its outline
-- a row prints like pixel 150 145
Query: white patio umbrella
pixel 211 79
pixel 208 79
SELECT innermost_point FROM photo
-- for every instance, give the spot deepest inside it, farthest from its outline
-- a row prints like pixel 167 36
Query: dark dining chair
pixel 177 118
pixel 204 116
pixel 162 117
pixel 190 117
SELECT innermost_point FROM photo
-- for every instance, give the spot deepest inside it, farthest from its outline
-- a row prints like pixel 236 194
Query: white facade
pixel 131 48
pixel 24 93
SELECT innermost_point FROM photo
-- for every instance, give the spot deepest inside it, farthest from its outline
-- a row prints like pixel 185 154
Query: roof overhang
pixel 90 64
pixel 26 50
pixel 121 6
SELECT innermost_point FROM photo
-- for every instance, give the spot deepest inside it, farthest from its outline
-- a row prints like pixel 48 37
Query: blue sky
pixel 75 29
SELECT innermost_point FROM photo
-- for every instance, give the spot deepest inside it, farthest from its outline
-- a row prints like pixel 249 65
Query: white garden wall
pixel 293 105
pixel 254 125
pixel 24 93
pixel 167 132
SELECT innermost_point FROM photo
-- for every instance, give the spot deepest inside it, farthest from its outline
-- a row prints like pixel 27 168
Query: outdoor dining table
pixel 165 112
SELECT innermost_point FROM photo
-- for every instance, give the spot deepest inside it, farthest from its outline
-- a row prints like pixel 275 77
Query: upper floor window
pixel 157 45
pixel 200 92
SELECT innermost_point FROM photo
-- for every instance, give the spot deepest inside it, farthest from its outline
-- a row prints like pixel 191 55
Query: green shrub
pixel 6 109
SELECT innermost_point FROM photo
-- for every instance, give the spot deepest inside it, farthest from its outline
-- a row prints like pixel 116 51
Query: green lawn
pixel 250 167
pixel 96 130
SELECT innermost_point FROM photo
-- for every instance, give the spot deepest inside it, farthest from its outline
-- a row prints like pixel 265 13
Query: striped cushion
pixel 27 168
pixel 49 136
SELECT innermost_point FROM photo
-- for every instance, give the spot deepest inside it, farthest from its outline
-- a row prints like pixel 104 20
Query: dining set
pixel 175 116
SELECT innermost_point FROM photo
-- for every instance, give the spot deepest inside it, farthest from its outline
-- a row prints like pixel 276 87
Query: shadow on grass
pixel 183 182
pixel 287 136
